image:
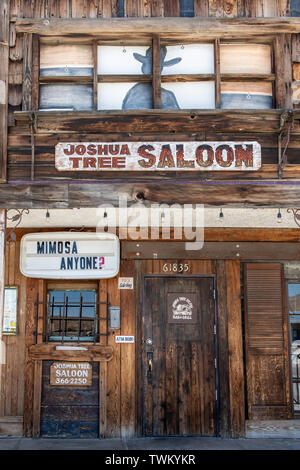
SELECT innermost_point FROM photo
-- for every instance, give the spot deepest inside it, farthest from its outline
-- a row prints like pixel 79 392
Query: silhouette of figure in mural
pixel 140 95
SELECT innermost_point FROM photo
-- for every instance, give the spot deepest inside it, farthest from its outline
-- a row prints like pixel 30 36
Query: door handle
pixel 150 366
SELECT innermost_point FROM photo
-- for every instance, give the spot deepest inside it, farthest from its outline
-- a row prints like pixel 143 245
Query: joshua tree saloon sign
pixel 157 156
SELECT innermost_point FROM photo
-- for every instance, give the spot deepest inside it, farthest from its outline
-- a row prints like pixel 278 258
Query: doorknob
pixel 150 364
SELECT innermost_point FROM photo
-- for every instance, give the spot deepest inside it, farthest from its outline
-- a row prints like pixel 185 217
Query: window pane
pixel 245 58
pixel 247 95
pixel 294 298
pixel 128 95
pixel 187 59
pixel 124 60
pixel 69 97
pixel 71 315
pixel 66 60
pixel 294 316
pixel 192 95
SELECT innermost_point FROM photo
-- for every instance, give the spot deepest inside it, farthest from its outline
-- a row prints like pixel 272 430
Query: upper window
pixel 179 76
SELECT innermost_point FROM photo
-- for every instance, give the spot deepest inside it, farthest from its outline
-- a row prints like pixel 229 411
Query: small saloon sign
pixel 182 307
pixel 157 156
pixel 70 255
pixel 71 374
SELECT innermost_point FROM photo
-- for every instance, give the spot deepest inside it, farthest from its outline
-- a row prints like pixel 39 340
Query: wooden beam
pixel 250 251
pixel 220 193
pixel 152 121
pixel 4 53
pixel 167 27
pixel 94 353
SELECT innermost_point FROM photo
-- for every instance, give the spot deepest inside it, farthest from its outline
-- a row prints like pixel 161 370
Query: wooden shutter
pixel 267 366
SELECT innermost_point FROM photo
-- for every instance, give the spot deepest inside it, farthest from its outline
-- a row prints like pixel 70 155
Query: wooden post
pixel 235 350
pixel 2 281
pixel 4 48
pixel 156 83
pixel 284 72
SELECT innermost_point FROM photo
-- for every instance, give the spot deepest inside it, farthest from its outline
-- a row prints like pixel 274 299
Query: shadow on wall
pixel 140 95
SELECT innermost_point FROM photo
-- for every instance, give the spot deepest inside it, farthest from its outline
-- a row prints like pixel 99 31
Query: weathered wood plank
pixel 27 73
pixel 247 194
pixel 223 362
pixel 128 385
pixel 154 121
pixel 188 27
pixel 211 250
pixel 283 61
pixel 4 51
pixel 94 353
pixel 113 391
pixel 235 350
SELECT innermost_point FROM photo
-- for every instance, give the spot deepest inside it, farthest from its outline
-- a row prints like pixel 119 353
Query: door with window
pixel 179 361
pixel 70 390
pixel 294 322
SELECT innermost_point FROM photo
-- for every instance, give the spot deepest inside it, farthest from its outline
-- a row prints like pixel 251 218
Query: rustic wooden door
pixel 179 363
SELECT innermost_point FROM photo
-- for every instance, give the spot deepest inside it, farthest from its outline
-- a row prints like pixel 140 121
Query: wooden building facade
pixel 82 83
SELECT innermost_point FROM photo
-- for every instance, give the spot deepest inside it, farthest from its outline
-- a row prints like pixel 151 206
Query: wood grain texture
pixel 266 343
pixel 4 51
pixel 127 352
pixel 172 27
pixel 283 54
pixel 235 350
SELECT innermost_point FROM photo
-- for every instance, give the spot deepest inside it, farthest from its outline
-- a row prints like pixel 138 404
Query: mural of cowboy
pixel 140 95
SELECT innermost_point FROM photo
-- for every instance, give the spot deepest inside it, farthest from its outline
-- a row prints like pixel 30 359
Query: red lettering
pixel 118 162
pixel 75 161
pixel 89 162
pixel 166 158
pixel 209 157
pixel 244 155
pixel 91 149
pixel 114 149
pixel 181 162
pixel 102 150
pixel 69 151
pixel 125 150
pixel 104 162
pixel 143 152
pixel 219 155
pixel 80 149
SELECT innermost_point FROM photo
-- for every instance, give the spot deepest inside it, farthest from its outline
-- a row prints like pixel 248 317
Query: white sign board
pixel 10 311
pixel 157 156
pixel 124 339
pixel 70 255
pixel 125 283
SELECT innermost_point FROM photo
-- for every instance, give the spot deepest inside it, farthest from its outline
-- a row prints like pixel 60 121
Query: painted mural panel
pixel 67 97
pixel 124 60
pixel 188 59
pixel 246 95
pixel 245 58
pixel 193 95
pixel 66 60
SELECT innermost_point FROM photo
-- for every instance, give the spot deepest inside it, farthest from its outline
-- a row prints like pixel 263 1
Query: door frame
pixel 140 353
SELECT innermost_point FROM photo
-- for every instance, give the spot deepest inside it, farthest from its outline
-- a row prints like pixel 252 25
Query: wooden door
pixel 179 363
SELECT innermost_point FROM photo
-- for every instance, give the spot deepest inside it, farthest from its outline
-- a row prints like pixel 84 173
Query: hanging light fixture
pixel 221 215
pixel 279 217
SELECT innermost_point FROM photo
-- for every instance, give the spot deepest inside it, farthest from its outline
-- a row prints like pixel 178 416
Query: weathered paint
pixel 157 156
